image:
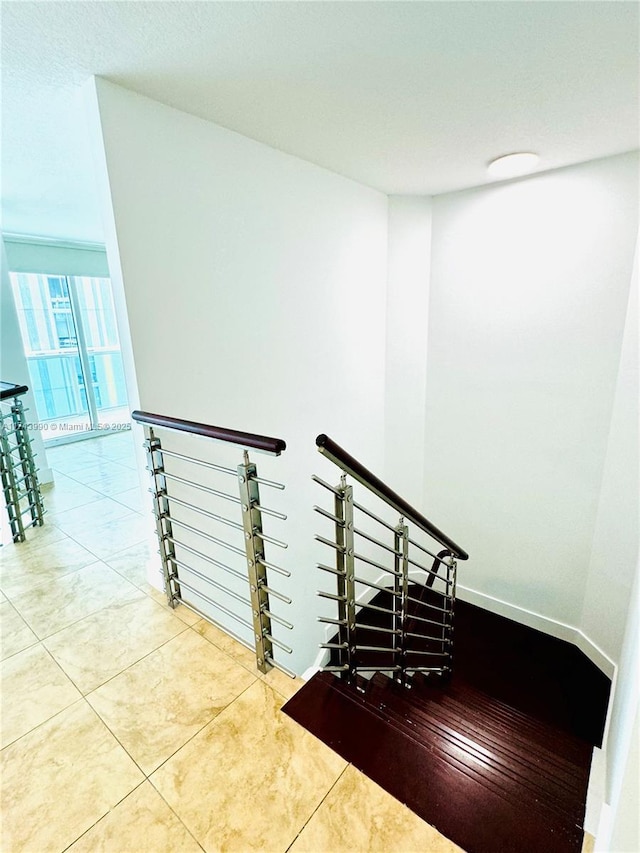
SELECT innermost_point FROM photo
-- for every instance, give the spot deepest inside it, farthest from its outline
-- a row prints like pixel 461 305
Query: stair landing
pixel 498 758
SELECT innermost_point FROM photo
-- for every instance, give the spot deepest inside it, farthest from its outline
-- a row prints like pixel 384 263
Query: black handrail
pixel 344 460
pixel 9 390
pixel 246 439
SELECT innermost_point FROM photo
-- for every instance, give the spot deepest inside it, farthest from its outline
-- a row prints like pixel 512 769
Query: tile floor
pixel 131 728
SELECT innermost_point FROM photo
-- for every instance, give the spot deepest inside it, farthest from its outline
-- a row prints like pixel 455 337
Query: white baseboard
pixel 541 623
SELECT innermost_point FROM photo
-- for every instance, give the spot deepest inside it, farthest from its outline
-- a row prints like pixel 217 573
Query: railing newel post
pixel 256 569
pixel 162 514
pixel 401 601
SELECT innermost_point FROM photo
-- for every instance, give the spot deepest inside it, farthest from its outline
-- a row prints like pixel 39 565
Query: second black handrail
pixel 357 470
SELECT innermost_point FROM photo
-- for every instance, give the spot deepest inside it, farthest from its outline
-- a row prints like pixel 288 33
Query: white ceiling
pixel 408 97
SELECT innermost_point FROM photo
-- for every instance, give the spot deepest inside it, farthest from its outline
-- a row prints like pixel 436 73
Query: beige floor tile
pixel 588 843
pixel 360 817
pixel 82 518
pixel 66 493
pixel 108 539
pixel 67 460
pixel 251 779
pixel 16 634
pixel 228 645
pixel 141 822
pixel 134 562
pixel 61 778
pixel 98 469
pixel 27 570
pixel 34 688
pixel 282 684
pixel 105 643
pixel 63 601
pixel 182 612
pixel 156 705
pixel 135 499
pixel 36 538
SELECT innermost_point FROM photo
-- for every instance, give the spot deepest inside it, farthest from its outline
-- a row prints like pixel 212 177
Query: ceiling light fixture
pixel 512 165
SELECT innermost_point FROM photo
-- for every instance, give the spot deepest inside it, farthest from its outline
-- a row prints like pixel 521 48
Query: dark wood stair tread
pixel 517 774
pixel 482 802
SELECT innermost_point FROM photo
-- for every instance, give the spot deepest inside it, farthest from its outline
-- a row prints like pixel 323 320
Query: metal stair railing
pixel 203 566
pixel 413 603
pixel 18 471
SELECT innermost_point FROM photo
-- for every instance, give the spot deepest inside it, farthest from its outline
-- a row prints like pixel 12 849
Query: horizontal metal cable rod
pixel 342 668
pixel 330 569
pixel 232 436
pixel 377 586
pixel 215 604
pixel 206 557
pixel 378 649
pixel 426 669
pixel 212 515
pixel 376 607
pixel 208 580
pixel 429 572
pixel 361 626
pixel 329 515
pixel 263 482
pixel 274 592
pixel 279 666
pixel 196 461
pixel 277 643
pixel 336 454
pixel 270 539
pixel 277 569
pixel 442 625
pixel 331 544
pixel 329 621
pixel 374 517
pixel 430 606
pixel 378 542
pixel 377 565
pixel 331 596
pixel 272 512
pixel 334 645
pixel 426 654
pixel 174 477
pixel 207 536
pixel 25 478
pixel 326 486
pixel 427 551
pixel 379 668
pixel 277 619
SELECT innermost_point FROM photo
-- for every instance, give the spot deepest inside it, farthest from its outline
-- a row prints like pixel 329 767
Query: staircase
pixel 482 726
pixel 489 777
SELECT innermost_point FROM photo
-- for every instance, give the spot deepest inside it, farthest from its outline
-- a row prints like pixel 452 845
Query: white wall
pixel 255 285
pixel 406 365
pixel 612 592
pixel 529 291
pixel 615 541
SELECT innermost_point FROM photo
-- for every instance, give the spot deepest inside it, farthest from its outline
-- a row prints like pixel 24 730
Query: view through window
pixel 70 339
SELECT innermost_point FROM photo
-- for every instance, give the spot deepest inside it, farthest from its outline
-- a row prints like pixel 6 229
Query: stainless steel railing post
pixel 401 599
pixel 162 515
pixel 256 570
pixel 349 581
pixel 27 464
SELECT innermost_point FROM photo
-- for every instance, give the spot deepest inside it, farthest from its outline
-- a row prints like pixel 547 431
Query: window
pixel 70 337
